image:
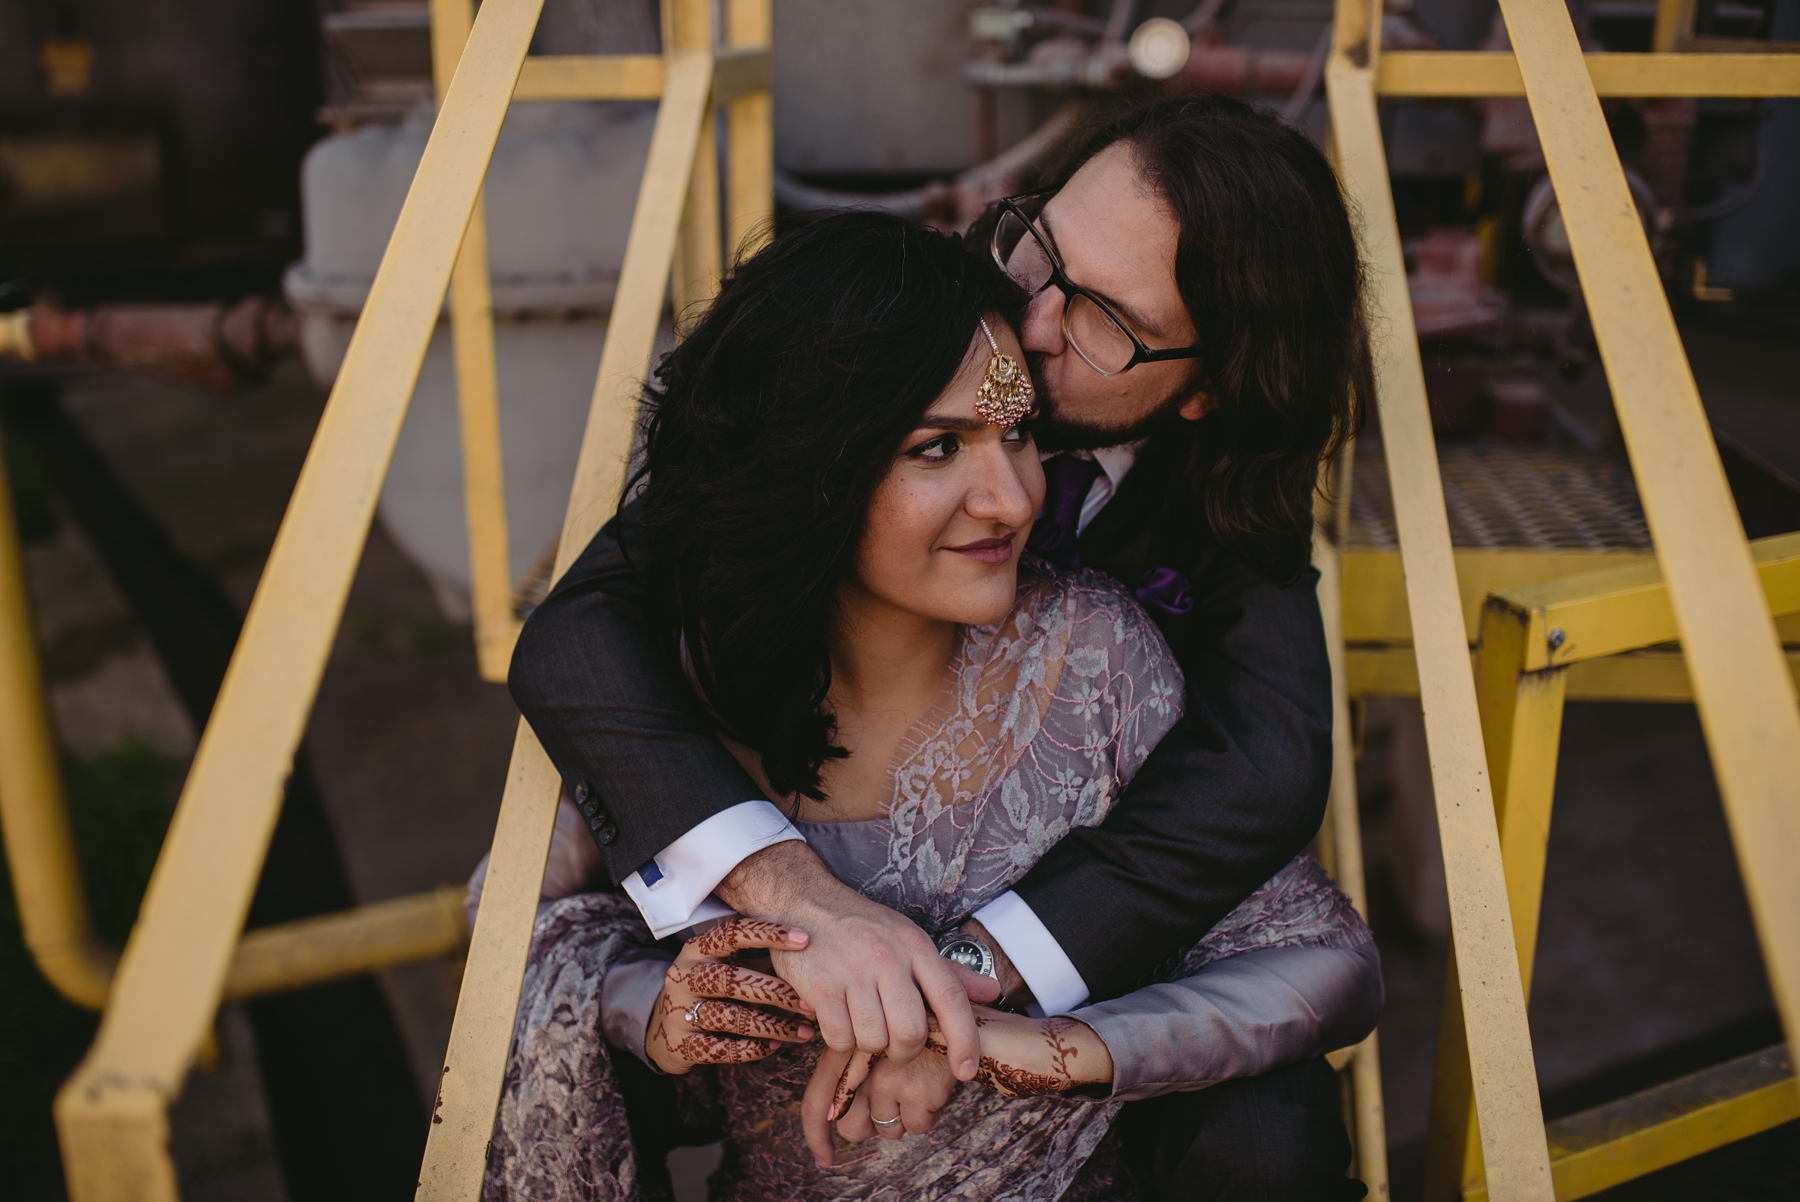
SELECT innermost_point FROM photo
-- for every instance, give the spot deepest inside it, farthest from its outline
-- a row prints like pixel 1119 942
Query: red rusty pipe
pixel 1241 70
pixel 210 347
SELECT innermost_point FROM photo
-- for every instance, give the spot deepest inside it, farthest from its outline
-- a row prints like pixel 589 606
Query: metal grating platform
pixel 1502 494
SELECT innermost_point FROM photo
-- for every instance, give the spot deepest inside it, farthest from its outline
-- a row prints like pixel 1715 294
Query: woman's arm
pixel 1238 1017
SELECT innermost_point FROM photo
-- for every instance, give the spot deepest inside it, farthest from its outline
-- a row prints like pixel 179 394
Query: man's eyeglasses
pixel 1101 337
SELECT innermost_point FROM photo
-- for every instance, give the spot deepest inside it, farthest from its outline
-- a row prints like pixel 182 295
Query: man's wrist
pixel 1012 985
pixel 785 882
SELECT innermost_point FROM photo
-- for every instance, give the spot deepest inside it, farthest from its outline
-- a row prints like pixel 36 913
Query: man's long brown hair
pixel 1268 266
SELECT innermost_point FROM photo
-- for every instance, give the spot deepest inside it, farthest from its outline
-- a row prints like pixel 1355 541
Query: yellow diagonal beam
pixel 463 1117
pixel 1493 998
pixel 111 1113
pixel 1741 684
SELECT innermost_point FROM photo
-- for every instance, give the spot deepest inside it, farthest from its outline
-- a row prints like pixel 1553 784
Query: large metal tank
pixel 560 194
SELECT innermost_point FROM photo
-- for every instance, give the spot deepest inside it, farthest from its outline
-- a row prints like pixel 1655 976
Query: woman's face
pixel 947 525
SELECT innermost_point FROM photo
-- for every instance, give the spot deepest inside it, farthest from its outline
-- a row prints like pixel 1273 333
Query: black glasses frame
pixel 1141 353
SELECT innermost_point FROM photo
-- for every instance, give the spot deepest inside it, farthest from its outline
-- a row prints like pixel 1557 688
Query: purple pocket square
pixel 1165 593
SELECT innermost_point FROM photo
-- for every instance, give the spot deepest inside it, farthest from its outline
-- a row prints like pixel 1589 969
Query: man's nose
pixel 1041 332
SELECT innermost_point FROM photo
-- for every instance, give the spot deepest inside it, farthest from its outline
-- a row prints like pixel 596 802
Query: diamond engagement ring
pixel 885 1123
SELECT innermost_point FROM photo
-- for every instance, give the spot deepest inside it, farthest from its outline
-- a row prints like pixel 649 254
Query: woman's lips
pixel 987 550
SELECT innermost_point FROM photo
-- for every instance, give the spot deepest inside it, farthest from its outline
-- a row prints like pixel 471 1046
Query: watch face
pixel 970 954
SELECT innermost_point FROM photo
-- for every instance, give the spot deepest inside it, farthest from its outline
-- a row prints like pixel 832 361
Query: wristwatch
pixel 969 952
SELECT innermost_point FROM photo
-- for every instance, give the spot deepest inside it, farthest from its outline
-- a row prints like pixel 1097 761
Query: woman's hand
pixel 1020 1057
pixel 907 1096
pixel 701 1016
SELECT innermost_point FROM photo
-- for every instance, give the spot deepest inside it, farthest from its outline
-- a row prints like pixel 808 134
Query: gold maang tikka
pixel 1005 396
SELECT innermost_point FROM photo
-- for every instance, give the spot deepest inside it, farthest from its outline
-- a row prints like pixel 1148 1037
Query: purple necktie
pixel 1067 481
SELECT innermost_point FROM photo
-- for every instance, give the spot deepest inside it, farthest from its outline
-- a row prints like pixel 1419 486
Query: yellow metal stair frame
pixel 1732 665
pixel 740 83
pixel 184 954
pixel 1339 847
pixel 1522 668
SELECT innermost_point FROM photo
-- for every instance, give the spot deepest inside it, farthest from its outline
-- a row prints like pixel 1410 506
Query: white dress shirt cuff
pixel 1055 985
pixel 673 891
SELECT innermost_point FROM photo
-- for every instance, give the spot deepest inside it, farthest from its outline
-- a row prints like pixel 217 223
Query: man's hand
pixel 868 973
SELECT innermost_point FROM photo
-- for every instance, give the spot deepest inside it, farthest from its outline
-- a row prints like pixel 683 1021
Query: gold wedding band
pixel 884 1123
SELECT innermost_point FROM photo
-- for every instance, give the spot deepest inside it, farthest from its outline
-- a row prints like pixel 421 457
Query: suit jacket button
pixel 606 833
pixel 581 793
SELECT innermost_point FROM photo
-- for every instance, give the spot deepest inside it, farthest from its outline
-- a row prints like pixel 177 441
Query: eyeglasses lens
pixel 1095 336
pixel 1020 254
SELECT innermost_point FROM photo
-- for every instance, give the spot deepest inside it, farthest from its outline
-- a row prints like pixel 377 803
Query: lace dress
pixel 1044 718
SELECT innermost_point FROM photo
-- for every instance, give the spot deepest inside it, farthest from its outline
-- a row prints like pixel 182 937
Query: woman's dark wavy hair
pixel 770 426
pixel 1268 266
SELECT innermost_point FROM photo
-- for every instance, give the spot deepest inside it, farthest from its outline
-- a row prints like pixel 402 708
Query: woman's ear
pixel 1197 407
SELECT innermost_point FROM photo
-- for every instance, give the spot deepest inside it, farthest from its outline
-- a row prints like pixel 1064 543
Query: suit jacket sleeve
pixel 609 705
pixel 1232 792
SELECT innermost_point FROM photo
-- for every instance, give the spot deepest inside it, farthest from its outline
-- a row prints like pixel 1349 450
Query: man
pixel 1196 335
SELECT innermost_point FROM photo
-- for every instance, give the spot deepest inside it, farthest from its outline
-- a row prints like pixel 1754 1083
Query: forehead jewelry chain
pixel 1004 397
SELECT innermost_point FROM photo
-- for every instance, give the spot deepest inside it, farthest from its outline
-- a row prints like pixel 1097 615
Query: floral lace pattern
pixel 1044 719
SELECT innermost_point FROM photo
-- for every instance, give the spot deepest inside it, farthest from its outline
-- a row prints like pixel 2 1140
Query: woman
pixel 839 480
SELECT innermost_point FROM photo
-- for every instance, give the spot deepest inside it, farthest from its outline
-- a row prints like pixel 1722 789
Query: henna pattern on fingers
pixel 712 979
pixel 702 1047
pixel 729 1018
pixel 844 1096
pixel 731 936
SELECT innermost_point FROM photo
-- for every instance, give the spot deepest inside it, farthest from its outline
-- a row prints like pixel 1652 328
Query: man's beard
pixel 1054 432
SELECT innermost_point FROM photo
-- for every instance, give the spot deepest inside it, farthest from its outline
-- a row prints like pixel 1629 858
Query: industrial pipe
pixel 210 347
pixel 1242 70
pixel 966 195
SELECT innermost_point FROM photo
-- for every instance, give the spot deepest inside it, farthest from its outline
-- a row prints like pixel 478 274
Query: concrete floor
pixel 1646 942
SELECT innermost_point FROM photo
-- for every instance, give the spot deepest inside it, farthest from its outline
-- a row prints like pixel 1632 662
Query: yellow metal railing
pixel 1532 638
pixel 46 876
pixel 184 954
pixel 1340 849
pixel 1487 1133
pixel 1512 1137
pixel 739 82
pixel 676 228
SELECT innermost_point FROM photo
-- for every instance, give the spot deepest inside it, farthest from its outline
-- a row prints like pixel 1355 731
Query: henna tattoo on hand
pixel 1010 1081
pixel 729 1018
pixel 735 934
pixel 713 979
pixel 845 1095
pixel 702 1047
pixel 1061 1050
pixel 1014 1080
pixel 722 1032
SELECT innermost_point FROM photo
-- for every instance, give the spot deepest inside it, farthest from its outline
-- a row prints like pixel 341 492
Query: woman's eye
pixel 1019 435
pixel 935 450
